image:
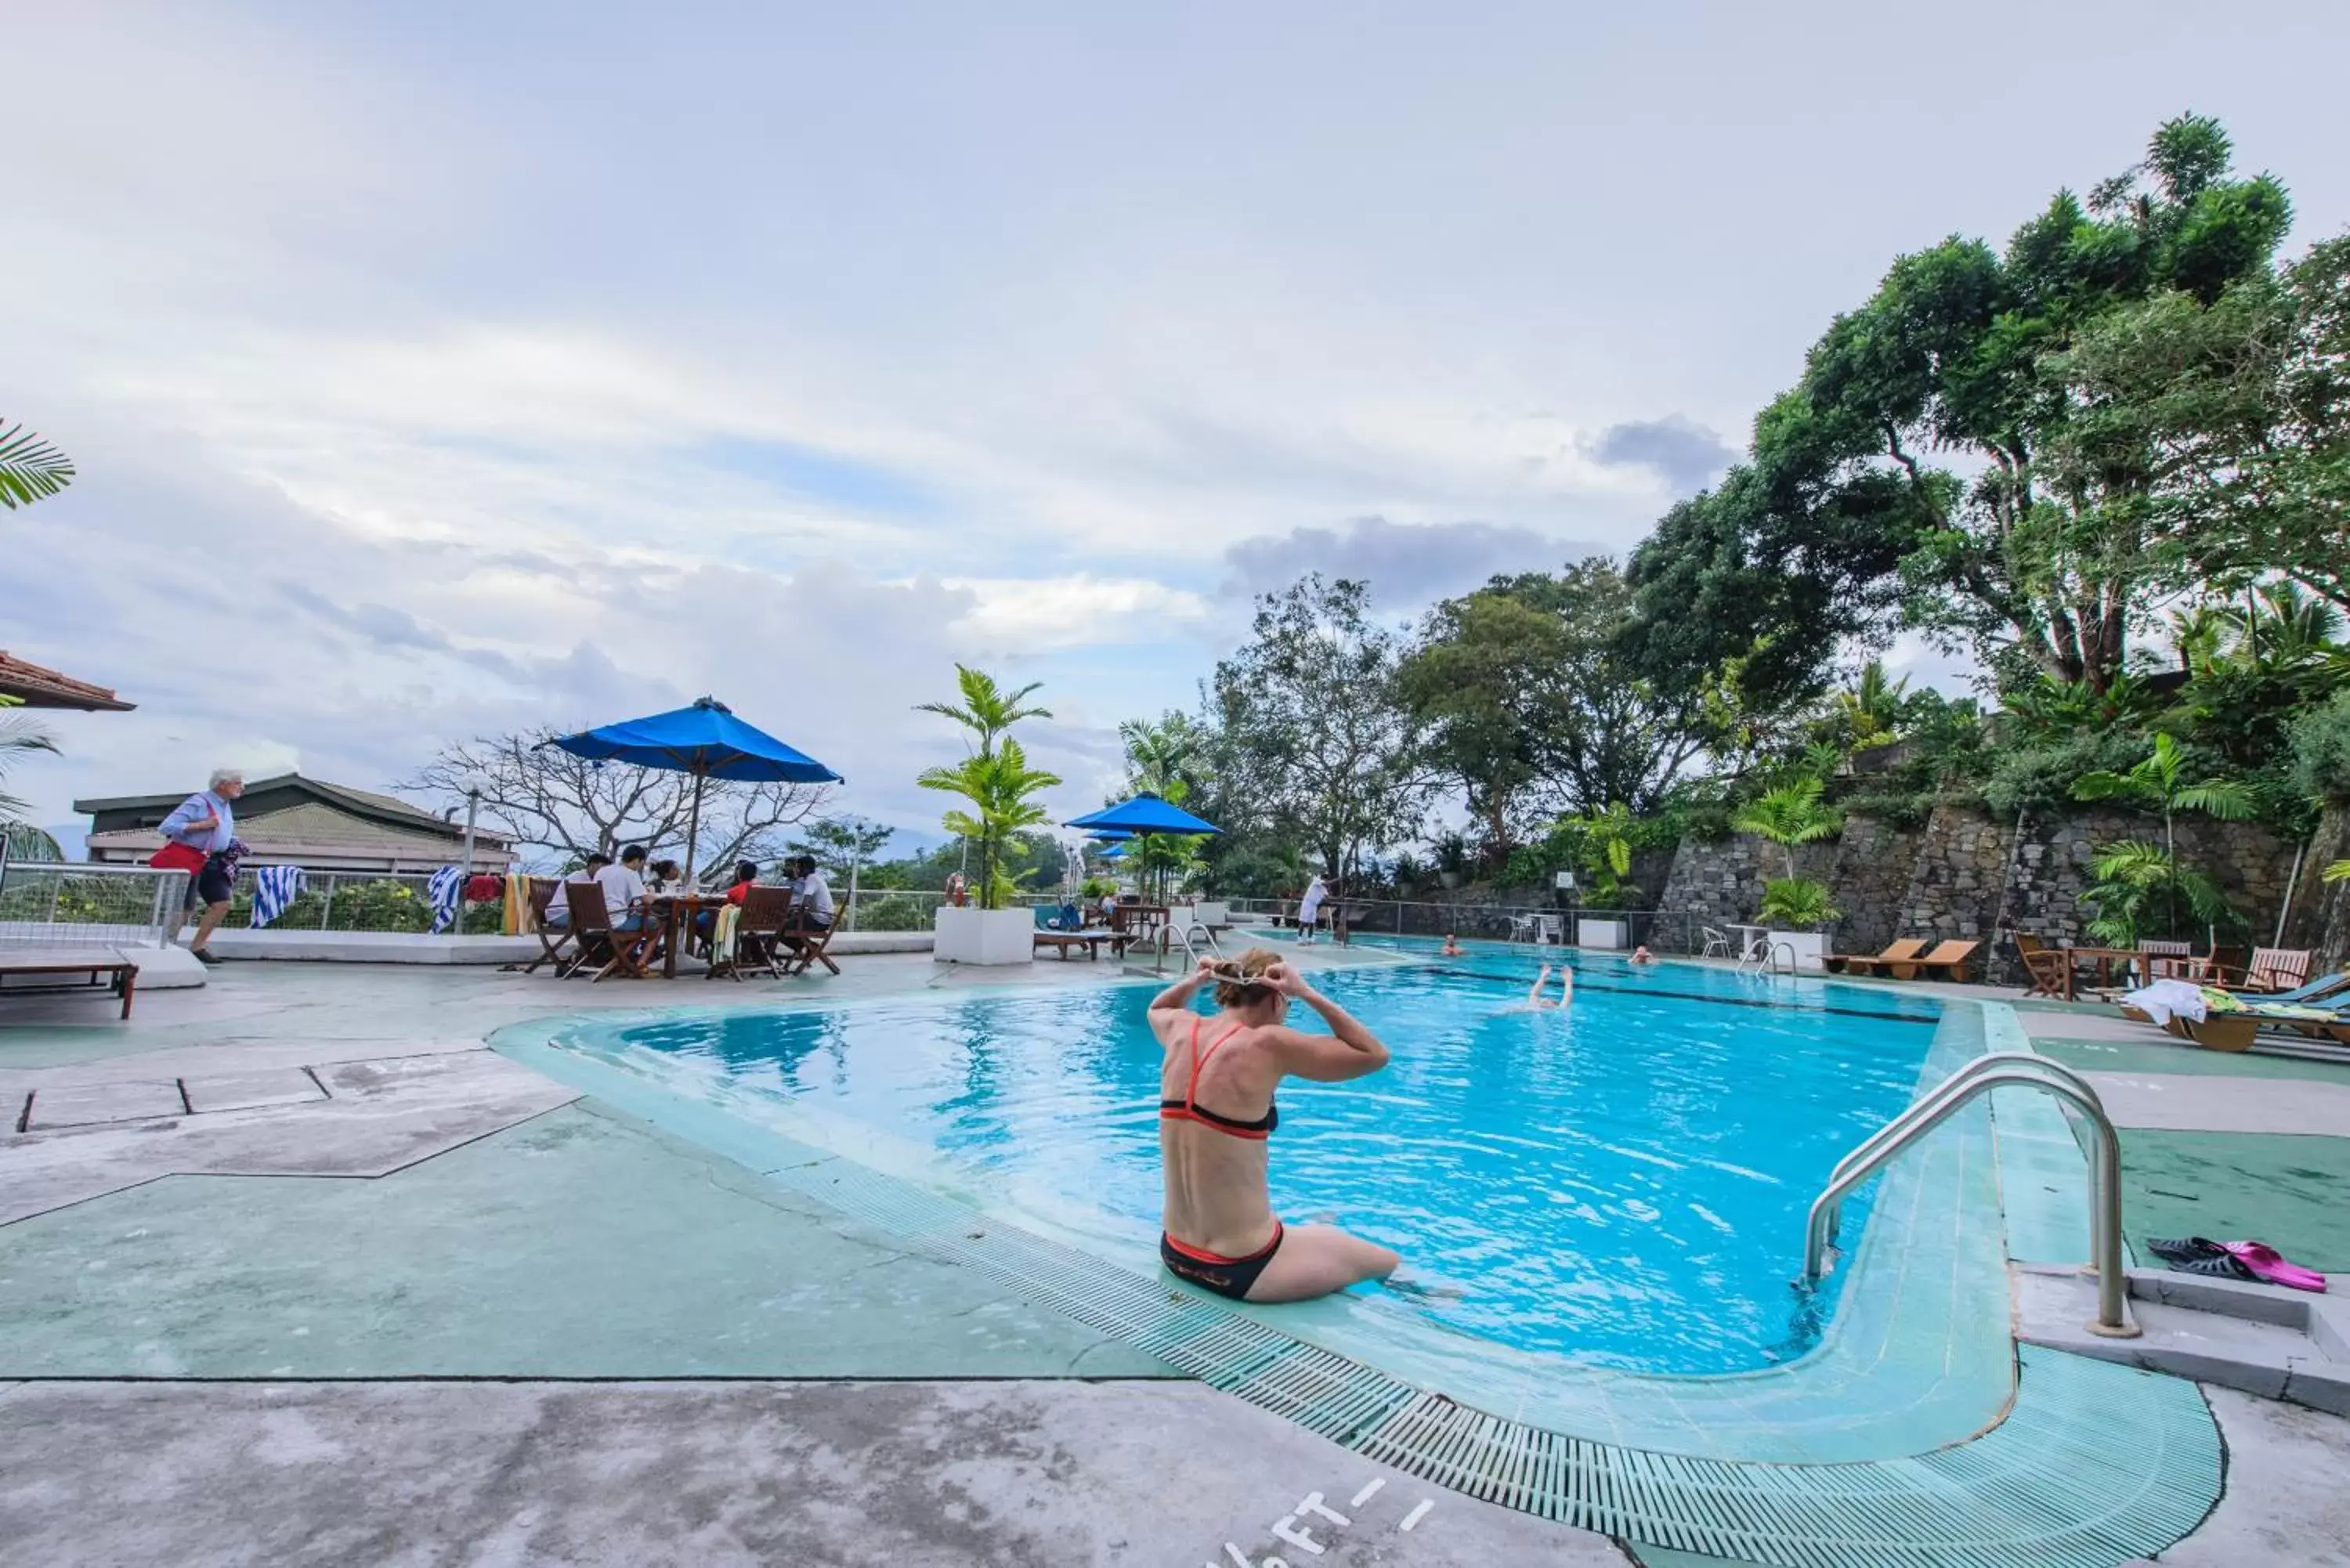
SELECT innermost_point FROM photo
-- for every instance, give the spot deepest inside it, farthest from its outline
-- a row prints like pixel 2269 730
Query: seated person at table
pixel 811 899
pixel 624 889
pixel 662 878
pixel 746 876
pixel 558 908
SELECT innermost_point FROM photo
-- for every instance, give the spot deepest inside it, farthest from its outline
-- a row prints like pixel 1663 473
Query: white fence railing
pixel 50 903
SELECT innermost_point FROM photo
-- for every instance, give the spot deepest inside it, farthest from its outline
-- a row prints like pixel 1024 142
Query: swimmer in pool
pixel 1534 1002
pixel 1216 1115
pixel 1642 955
pixel 1452 948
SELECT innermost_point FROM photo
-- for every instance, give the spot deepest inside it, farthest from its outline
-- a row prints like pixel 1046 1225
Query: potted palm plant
pixel 1607 856
pixel 1794 909
pixel 1000 789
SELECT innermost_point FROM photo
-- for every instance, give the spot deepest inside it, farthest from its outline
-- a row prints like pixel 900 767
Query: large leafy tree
pixel 1535 699
pixel 1317 740
pixel 2238 411
pixel 1938 430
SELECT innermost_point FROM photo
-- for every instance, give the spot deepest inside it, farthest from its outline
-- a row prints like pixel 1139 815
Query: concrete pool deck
pixel 350 1194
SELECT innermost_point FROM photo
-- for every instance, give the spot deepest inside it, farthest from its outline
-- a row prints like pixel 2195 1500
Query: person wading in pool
pixel 1215 1114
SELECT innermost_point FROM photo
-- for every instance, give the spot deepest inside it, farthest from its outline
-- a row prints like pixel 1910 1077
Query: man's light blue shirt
pixel 178 827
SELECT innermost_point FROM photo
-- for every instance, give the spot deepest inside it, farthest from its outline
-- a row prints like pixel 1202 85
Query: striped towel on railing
pixel 447 892
pixel 274 888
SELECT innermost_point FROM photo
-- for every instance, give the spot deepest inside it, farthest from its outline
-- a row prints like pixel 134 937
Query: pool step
pixel 2259 1339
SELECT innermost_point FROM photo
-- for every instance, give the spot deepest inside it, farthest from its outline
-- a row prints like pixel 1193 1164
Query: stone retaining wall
pixel 1967 876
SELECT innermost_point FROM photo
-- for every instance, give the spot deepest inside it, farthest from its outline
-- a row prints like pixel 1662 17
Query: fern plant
pixel 2158 784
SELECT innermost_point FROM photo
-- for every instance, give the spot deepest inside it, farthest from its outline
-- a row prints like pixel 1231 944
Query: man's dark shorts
pixel 212 885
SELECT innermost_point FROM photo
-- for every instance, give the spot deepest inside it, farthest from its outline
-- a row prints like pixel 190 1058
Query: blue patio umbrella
pixel 1139 817
pixel 1143 813
pixel 705 739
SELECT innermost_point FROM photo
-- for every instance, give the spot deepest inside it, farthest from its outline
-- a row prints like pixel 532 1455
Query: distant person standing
pixel 1309 908
pixel 199 838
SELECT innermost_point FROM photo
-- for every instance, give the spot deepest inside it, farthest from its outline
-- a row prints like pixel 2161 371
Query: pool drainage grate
pixel 2096 1463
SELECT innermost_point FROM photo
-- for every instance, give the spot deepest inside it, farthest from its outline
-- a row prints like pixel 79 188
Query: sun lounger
pixel 1949 959
pixel 96 966
pixel 2270 971
pixel 1908 948
pixel 1063 942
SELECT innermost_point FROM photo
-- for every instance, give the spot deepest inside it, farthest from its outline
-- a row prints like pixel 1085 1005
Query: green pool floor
pixel 576 1244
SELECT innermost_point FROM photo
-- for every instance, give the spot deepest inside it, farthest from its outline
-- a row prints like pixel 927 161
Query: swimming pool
pixel 1623 1183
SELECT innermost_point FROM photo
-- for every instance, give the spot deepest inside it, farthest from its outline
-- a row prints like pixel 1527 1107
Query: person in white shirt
pixel 1309 908
pixel 558 908
pixel 624 888
pixel 811 897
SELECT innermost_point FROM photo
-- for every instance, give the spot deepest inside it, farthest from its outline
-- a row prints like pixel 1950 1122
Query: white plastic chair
pixel 1717 943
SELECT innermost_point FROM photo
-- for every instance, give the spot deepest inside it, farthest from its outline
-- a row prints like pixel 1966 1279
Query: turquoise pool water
pixel 1623 1183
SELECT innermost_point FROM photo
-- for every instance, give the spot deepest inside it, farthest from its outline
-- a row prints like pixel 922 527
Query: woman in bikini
pixel 1216 1112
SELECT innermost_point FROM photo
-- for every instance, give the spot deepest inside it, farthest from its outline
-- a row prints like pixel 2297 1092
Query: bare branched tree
pixel 545 797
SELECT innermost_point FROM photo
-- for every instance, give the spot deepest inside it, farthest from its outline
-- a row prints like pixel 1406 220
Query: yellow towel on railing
pixel 722 935
pixel 518 922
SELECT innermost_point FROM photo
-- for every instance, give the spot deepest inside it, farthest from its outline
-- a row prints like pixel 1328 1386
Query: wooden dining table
pixel 676 912
pixel 2104 958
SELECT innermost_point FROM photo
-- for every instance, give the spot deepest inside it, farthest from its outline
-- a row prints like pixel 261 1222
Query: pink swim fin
pixel 2265 1262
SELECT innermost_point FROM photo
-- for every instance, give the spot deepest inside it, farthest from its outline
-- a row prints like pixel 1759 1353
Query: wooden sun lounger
pixel 1908 948
pixel 1949 957
pixel 1063 942
pixel 93 964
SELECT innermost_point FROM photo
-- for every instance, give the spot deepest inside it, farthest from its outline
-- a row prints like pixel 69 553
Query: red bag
pixel 178 858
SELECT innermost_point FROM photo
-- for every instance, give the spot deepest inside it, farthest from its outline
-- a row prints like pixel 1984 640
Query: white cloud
pixel 1036 615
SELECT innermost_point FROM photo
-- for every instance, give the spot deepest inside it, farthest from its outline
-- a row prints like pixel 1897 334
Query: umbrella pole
pixel 693 828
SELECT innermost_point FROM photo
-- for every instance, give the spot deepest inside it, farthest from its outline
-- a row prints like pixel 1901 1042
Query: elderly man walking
pixel 199 838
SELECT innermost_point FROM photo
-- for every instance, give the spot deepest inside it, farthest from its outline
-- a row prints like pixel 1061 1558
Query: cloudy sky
pixel 441 368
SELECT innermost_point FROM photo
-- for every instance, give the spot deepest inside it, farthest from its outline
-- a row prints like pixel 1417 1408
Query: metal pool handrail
pixel 1949 1086
pixel 2104 1178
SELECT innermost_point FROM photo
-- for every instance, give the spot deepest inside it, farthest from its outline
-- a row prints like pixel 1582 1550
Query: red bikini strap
pixel 1191 1094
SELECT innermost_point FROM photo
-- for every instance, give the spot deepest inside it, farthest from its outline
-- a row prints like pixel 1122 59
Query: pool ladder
pixel 1997 1069
pixel 1182 934
pixel 1763 958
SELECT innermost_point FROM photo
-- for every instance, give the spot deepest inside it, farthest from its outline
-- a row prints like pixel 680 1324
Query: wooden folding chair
pixel 2050 971
pixel 601 945
pixel 759 932
pixel 808 947
pixel 552 945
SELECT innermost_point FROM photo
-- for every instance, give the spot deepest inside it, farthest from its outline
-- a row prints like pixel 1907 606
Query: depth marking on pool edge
pixel 1289 1531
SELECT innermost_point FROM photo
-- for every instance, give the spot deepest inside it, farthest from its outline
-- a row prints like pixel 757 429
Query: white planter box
pixel 1603 933
pixel 994 937
pixel 1807 946
pixel 1216 916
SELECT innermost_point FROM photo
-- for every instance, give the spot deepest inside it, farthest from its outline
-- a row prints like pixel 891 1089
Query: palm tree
pixel 2158 784
pixel 1164 759
pixel 987 710
pixel 1872 708
pixel 999 784
pixel 2282 626
pixel 19 738
pixel 30 468
pixel 2124 878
